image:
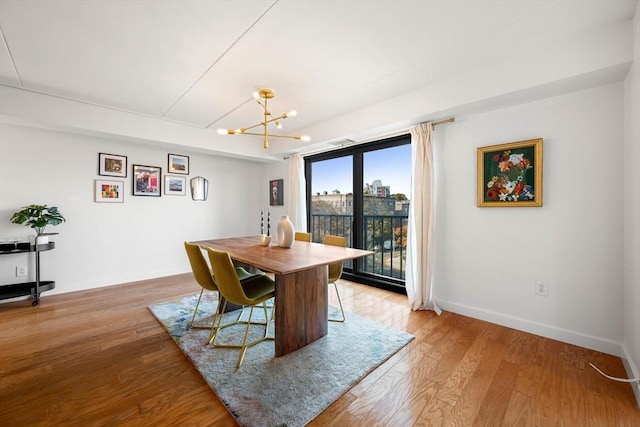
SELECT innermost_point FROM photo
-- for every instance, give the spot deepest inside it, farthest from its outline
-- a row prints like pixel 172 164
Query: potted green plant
pixel 38 217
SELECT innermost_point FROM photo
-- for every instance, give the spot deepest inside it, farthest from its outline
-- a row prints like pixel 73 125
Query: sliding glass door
pixel 361 193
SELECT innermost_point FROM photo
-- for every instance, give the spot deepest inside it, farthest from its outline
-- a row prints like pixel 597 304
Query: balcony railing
pixel 384 234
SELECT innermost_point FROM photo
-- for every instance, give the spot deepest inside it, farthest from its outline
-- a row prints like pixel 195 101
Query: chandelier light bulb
pixel 223 132
pixel 305 138
pixel 292 113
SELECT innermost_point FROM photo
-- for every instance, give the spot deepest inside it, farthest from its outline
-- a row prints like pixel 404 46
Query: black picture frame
pixel 147 180
pixel 177 163
pixel 276 196
pixel 112 165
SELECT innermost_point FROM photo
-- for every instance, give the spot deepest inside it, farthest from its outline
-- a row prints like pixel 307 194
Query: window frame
pixel 357 152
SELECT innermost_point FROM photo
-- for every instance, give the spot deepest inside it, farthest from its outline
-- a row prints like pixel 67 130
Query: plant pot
pixel 42 240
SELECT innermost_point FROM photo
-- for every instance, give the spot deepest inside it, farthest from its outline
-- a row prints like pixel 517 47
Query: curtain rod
pixel 436 123
pixel 441 122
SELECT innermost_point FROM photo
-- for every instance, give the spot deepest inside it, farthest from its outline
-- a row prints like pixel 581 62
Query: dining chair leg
pixel 196 310
pixel 243 347
pixel 266 314
pixel 339 302
pixel 244 340
pixel 214 332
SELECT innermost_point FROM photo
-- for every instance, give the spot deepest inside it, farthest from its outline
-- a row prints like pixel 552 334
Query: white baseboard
pixel 592 342
pixel 632 372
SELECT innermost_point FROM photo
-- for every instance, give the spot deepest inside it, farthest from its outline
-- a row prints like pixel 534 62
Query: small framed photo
pixel 175 185
pixel 112 165
pixel 510 175
pixel 178 164
pixel 107 191
pixel 146 180
pixel 276 198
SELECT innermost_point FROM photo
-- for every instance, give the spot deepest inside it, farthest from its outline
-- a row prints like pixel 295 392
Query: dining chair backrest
pixel 302 236
pixel 199 266
pixel 335 269
pixel 227 278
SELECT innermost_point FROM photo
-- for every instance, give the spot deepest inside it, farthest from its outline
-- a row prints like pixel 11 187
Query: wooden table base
pixel 306 292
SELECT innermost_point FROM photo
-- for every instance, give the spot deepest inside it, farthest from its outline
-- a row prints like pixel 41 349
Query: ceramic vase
pixel 285 232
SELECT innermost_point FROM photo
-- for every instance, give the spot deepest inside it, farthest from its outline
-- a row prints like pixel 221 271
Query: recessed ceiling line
pixel 13 63
pixel 93 104
pixel 233 110
pixel 220 57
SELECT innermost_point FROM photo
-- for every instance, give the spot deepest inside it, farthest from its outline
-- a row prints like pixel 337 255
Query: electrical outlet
pixel 542 289
pixel 21 271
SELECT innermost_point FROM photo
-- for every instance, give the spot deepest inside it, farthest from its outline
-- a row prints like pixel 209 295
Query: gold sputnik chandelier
pixel 262 97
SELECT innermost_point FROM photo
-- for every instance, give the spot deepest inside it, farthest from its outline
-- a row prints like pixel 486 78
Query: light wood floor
pixel 99 357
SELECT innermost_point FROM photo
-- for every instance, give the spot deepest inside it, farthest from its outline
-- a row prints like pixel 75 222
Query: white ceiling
pixel 190 66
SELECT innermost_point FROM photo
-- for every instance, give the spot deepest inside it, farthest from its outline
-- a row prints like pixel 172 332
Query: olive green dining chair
pixel 252 292
pixel 203 276
pixel 335 269
pixel 302 236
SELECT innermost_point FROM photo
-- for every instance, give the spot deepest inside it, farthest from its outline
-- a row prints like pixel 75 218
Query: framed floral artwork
pixel 178 164
pixel 112 165
pixel 146 180
pixel 510 175
pixel 107 191
pixel 175 185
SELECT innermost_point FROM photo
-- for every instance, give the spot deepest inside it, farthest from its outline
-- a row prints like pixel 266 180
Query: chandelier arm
pixel 283 116
pixel 260 124
pixel 286 136
pixel 250 127
pixel 267 114
pixel 262 134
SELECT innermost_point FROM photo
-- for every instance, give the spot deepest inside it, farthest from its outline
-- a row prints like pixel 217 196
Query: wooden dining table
pixel 301 272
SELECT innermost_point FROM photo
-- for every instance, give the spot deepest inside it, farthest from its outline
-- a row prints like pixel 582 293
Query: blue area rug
pixel 292 389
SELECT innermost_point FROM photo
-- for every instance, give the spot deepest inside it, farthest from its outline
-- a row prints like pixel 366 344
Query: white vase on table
pixel 285 232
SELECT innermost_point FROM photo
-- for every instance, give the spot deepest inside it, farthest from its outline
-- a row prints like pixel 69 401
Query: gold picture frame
pixel 510 175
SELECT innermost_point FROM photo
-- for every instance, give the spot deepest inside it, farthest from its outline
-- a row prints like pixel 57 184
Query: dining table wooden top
pixel 273 258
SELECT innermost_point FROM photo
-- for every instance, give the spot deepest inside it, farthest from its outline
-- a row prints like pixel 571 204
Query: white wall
pixel 271 171
pixel 488 259
pixel 632 214
pixel 104 244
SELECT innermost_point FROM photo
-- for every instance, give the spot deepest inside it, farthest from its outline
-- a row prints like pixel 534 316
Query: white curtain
pixel 420 230
pixel 297 193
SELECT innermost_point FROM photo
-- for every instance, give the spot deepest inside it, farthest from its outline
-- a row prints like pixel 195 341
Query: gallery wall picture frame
pixel 147 180
pixel 112 165
pixel 175 185
pixel 510 175
pixel 178 164
pixel 276 195
pixel 109 191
